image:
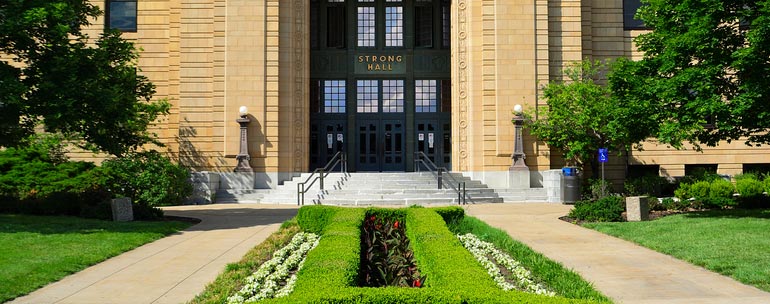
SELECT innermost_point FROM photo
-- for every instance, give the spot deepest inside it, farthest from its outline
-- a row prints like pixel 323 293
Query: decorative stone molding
pixel 462 79
pixel 300 73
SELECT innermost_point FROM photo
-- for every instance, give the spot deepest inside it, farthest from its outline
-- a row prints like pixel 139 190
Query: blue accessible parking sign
pixel 602 155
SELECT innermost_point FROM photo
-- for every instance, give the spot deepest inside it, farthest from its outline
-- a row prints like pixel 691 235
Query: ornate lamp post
pixel 518 144
pixel 243 154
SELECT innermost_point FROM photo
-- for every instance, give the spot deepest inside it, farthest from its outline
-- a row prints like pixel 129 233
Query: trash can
pixel 570 188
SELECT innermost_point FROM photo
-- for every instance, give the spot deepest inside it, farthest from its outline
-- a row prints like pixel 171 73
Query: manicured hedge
pixel 330 271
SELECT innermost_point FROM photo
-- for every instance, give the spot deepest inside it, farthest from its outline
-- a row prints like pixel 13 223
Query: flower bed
pixel 386 259
pixel 494 261
pixel 276 277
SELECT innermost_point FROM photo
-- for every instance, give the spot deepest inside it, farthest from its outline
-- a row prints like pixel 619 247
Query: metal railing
pixel 438 172
pixel 303 187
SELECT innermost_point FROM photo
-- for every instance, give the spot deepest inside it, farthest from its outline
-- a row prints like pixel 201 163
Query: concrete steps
pixel 531 195
pixel 367 189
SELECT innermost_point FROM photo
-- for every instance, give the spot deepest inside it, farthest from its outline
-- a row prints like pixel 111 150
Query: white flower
pixel 272 278
pixel 520 276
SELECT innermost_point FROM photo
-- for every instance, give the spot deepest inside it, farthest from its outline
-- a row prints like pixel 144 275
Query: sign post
pixel 603 159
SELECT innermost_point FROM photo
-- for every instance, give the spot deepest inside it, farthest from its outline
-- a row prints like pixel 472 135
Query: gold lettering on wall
pixel 380 62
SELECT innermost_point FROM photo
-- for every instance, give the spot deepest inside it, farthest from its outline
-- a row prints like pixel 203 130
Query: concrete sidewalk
pixel 173 269
pixel 623 271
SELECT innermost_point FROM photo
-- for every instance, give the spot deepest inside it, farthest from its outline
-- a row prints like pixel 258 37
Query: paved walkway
pixel 621 270
pixel 176 268
pixel 172 269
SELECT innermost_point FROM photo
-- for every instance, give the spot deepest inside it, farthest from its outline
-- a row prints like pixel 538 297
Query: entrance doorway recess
pixel 380 82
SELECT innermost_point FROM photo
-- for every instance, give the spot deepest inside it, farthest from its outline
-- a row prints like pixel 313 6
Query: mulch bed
pixel 653 216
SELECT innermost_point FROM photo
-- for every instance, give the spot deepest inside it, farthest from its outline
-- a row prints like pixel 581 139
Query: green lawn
pixel 735 243
pixel 37 250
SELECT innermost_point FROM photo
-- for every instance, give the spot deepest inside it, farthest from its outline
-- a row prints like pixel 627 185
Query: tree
pixel 705 70
pixel 53 76
pixel 582 116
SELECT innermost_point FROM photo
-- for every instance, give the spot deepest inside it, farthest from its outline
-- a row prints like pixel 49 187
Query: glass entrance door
pixel 326 139
pixel 434 139
pixel 380 145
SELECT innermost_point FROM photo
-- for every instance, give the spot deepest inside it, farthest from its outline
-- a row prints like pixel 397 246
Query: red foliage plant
pixel 386 259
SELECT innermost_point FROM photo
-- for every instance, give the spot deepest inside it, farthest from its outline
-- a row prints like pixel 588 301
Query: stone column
pixel 518 173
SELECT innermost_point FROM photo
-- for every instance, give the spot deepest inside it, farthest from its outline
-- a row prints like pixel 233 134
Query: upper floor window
pixel 366 26
pixel 629 12
pixel 335 24
pixel 121 15
pixel 394 26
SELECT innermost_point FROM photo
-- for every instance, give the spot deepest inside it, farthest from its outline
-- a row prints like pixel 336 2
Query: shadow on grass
pixel 49 225
pixel 235 218
pixel 734 213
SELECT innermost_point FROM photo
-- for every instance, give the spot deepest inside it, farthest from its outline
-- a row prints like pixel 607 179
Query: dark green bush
pixel 594 189
pixel 700 174
pixel 38 170
pixel 608 209
pixel 751 193
pixel 720 194
pixel 148 178
pixel 649 185
pixel 671 204
pixel 450 214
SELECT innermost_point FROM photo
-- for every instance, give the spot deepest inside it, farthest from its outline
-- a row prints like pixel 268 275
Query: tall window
pixel 367 96
pixel 366 26
pixel 121 15
pixel 394 25
pixel 629 11
pixel 445 24
pixel 334 96
pixel 423 23
pixel 335 24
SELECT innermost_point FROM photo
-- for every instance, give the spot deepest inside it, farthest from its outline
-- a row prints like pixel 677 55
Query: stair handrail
pixel 462 194
pixel 338 159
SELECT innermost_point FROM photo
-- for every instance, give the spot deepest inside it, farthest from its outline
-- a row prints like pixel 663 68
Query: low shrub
pixel 751 193
pixel 451 214
pixel 596 189
pixel 314 219
pixel 683 193
pixel 608 209
pixel 678 205
pixel 700 174
pixel 700 192
pixel 148 178
pixel 720 194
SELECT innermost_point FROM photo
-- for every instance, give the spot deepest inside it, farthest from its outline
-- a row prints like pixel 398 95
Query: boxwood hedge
pixel 330 271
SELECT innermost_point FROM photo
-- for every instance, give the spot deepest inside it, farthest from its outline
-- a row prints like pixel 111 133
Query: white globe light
pixel 243 110
pixel 517 109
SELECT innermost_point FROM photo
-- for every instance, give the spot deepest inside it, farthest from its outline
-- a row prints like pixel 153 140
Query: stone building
pixel 380 80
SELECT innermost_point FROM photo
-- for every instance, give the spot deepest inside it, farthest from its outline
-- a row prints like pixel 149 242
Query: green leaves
pixel 386 259
pixel 704 69
pixel 582 116
pixel 90 91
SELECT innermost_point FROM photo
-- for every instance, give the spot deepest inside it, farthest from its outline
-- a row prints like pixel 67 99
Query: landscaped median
pixel 445 271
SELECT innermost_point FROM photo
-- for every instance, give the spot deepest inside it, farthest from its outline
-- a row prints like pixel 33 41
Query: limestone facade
pixel 209 57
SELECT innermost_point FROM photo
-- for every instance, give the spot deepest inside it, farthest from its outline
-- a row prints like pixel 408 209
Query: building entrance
pixel 380 88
